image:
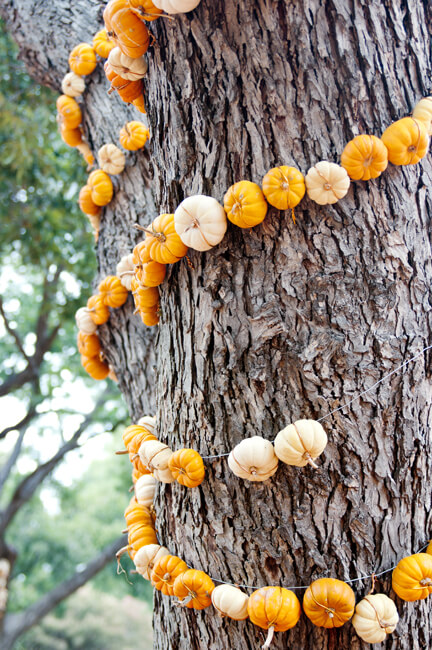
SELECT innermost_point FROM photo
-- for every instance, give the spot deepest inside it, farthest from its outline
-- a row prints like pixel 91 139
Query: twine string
pixel 354 399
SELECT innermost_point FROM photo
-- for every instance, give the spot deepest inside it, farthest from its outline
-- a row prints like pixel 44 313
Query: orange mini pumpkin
pixel 69 112
pixel 145 9
pixel 165 245
pixel 140 254
pixel 96 368
pixel 88 344
pixel 102 44
pixel 82 59
pixel 72 137
pixel 144 297
pixel 86 203
pixel 407 141
pixel 137 515
pixel 364 157
pixel 151 274
pixel 284 187
pixel 165 571
pixel 134 135
pixel 99 313
pixel 412 578
pixel 101 187
pixel 329 602
pixel 193 588
pixel 113 293
pixel 274 609
pixel 134 435
pixel 150 317
pixel 141 535
pixel 126 29
pixel 137 462
pixel 245 205
pixel 187 467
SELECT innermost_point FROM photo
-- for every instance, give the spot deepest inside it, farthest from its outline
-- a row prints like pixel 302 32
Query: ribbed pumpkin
pixel 82 59
pixel 88 344
pixel 69 112
pixel 112 292
pixel 141 535
pixel 245 205
pixel 177 6
pixel 230 601
pixel 134 435
pixel 144 297
pixel 96 368
pixel 86 203
pixel 134 135
pixel 141 253
pixel 146 558
pixel 128 90
pixel 138 464
pixel 72 85
pixel 327 182
pixel 150 317
pixel 145 9
pixel 187 467
pixel 111 159
pixel 423 113
pixel 99 312
pixel 151 274
pixel 72 137
pixel 102 44
pixel 101 187
pixel 329 603
pixel 137 514
pixel 193 588
pixel 407 141
pixel 125 28
pixel 375 617
pixel 412 578
pixel 165 245
pixel 165 571
pixel 274 609
pixel 145 489
pixel 84 321
pixel 127 67
pixel 364 157
pixel 284 187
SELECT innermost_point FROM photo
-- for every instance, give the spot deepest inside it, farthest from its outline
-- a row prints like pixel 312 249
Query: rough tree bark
pixel 283 321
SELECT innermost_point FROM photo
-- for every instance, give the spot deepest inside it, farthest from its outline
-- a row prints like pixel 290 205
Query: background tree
pixel 50 408
pixel 282 321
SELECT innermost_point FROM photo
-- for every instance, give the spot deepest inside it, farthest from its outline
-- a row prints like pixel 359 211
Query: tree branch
pixel 17 624
pixel 12 331
pixel 30 483
pixel 22 423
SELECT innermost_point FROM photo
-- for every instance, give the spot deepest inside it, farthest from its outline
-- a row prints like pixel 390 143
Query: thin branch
pixel 12 331
pixel 17 624
pixel 7 467
pixel 31 413
pixel 30 483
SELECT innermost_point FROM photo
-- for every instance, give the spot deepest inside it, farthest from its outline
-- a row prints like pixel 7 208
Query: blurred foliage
pixel 80 520
pixel 93 621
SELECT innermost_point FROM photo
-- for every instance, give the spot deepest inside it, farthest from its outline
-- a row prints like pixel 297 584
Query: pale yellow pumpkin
pixel 253 459
pixel 327 182
pixel 111 159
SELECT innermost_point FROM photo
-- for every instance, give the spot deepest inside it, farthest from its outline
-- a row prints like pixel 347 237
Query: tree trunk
pixel 283 321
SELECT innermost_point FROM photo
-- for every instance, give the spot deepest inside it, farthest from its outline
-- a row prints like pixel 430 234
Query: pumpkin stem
pixel 123 451
pixel 310 461
pixel 131 489
pixel 121 552
pixel 185 601
pixel 120 275
pixel 158 235
pixel 293 215
pixel 124 531
pixel 269 638
pixel 372 589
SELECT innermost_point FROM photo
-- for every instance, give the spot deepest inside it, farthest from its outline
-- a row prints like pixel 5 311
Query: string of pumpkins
pixel 327 602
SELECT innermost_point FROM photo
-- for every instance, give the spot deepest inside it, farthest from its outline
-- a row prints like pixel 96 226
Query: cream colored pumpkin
pixel 145 488
pixel 375 617
pixel 176 6
pixel 163 475
pixel 111 159
pixel 300 443
pixel 423 113
pixel 327 182
pixel 200 221
pixel 125 271
pixel 126 67
pixel 149 422
pixel 230 601
pixel 72 85
pixel 253 459
pixel 84 321
pixel 154 455
pixel 147 556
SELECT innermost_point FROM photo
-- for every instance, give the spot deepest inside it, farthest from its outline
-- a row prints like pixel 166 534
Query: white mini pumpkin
pixel 176 6
pixel 84 321
pixel 125 271
pixel 154 455
pixel 375 617
pixel 163 475
pixel 145 488
pixel 230 601
pixel 72 85
pixel 327 182
pixel 200 221
pixel 126 67
pixel 253 459
pixel 149 422
pixel 111 159
pixel 423 113
pixel 300 443
pixel 146 557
